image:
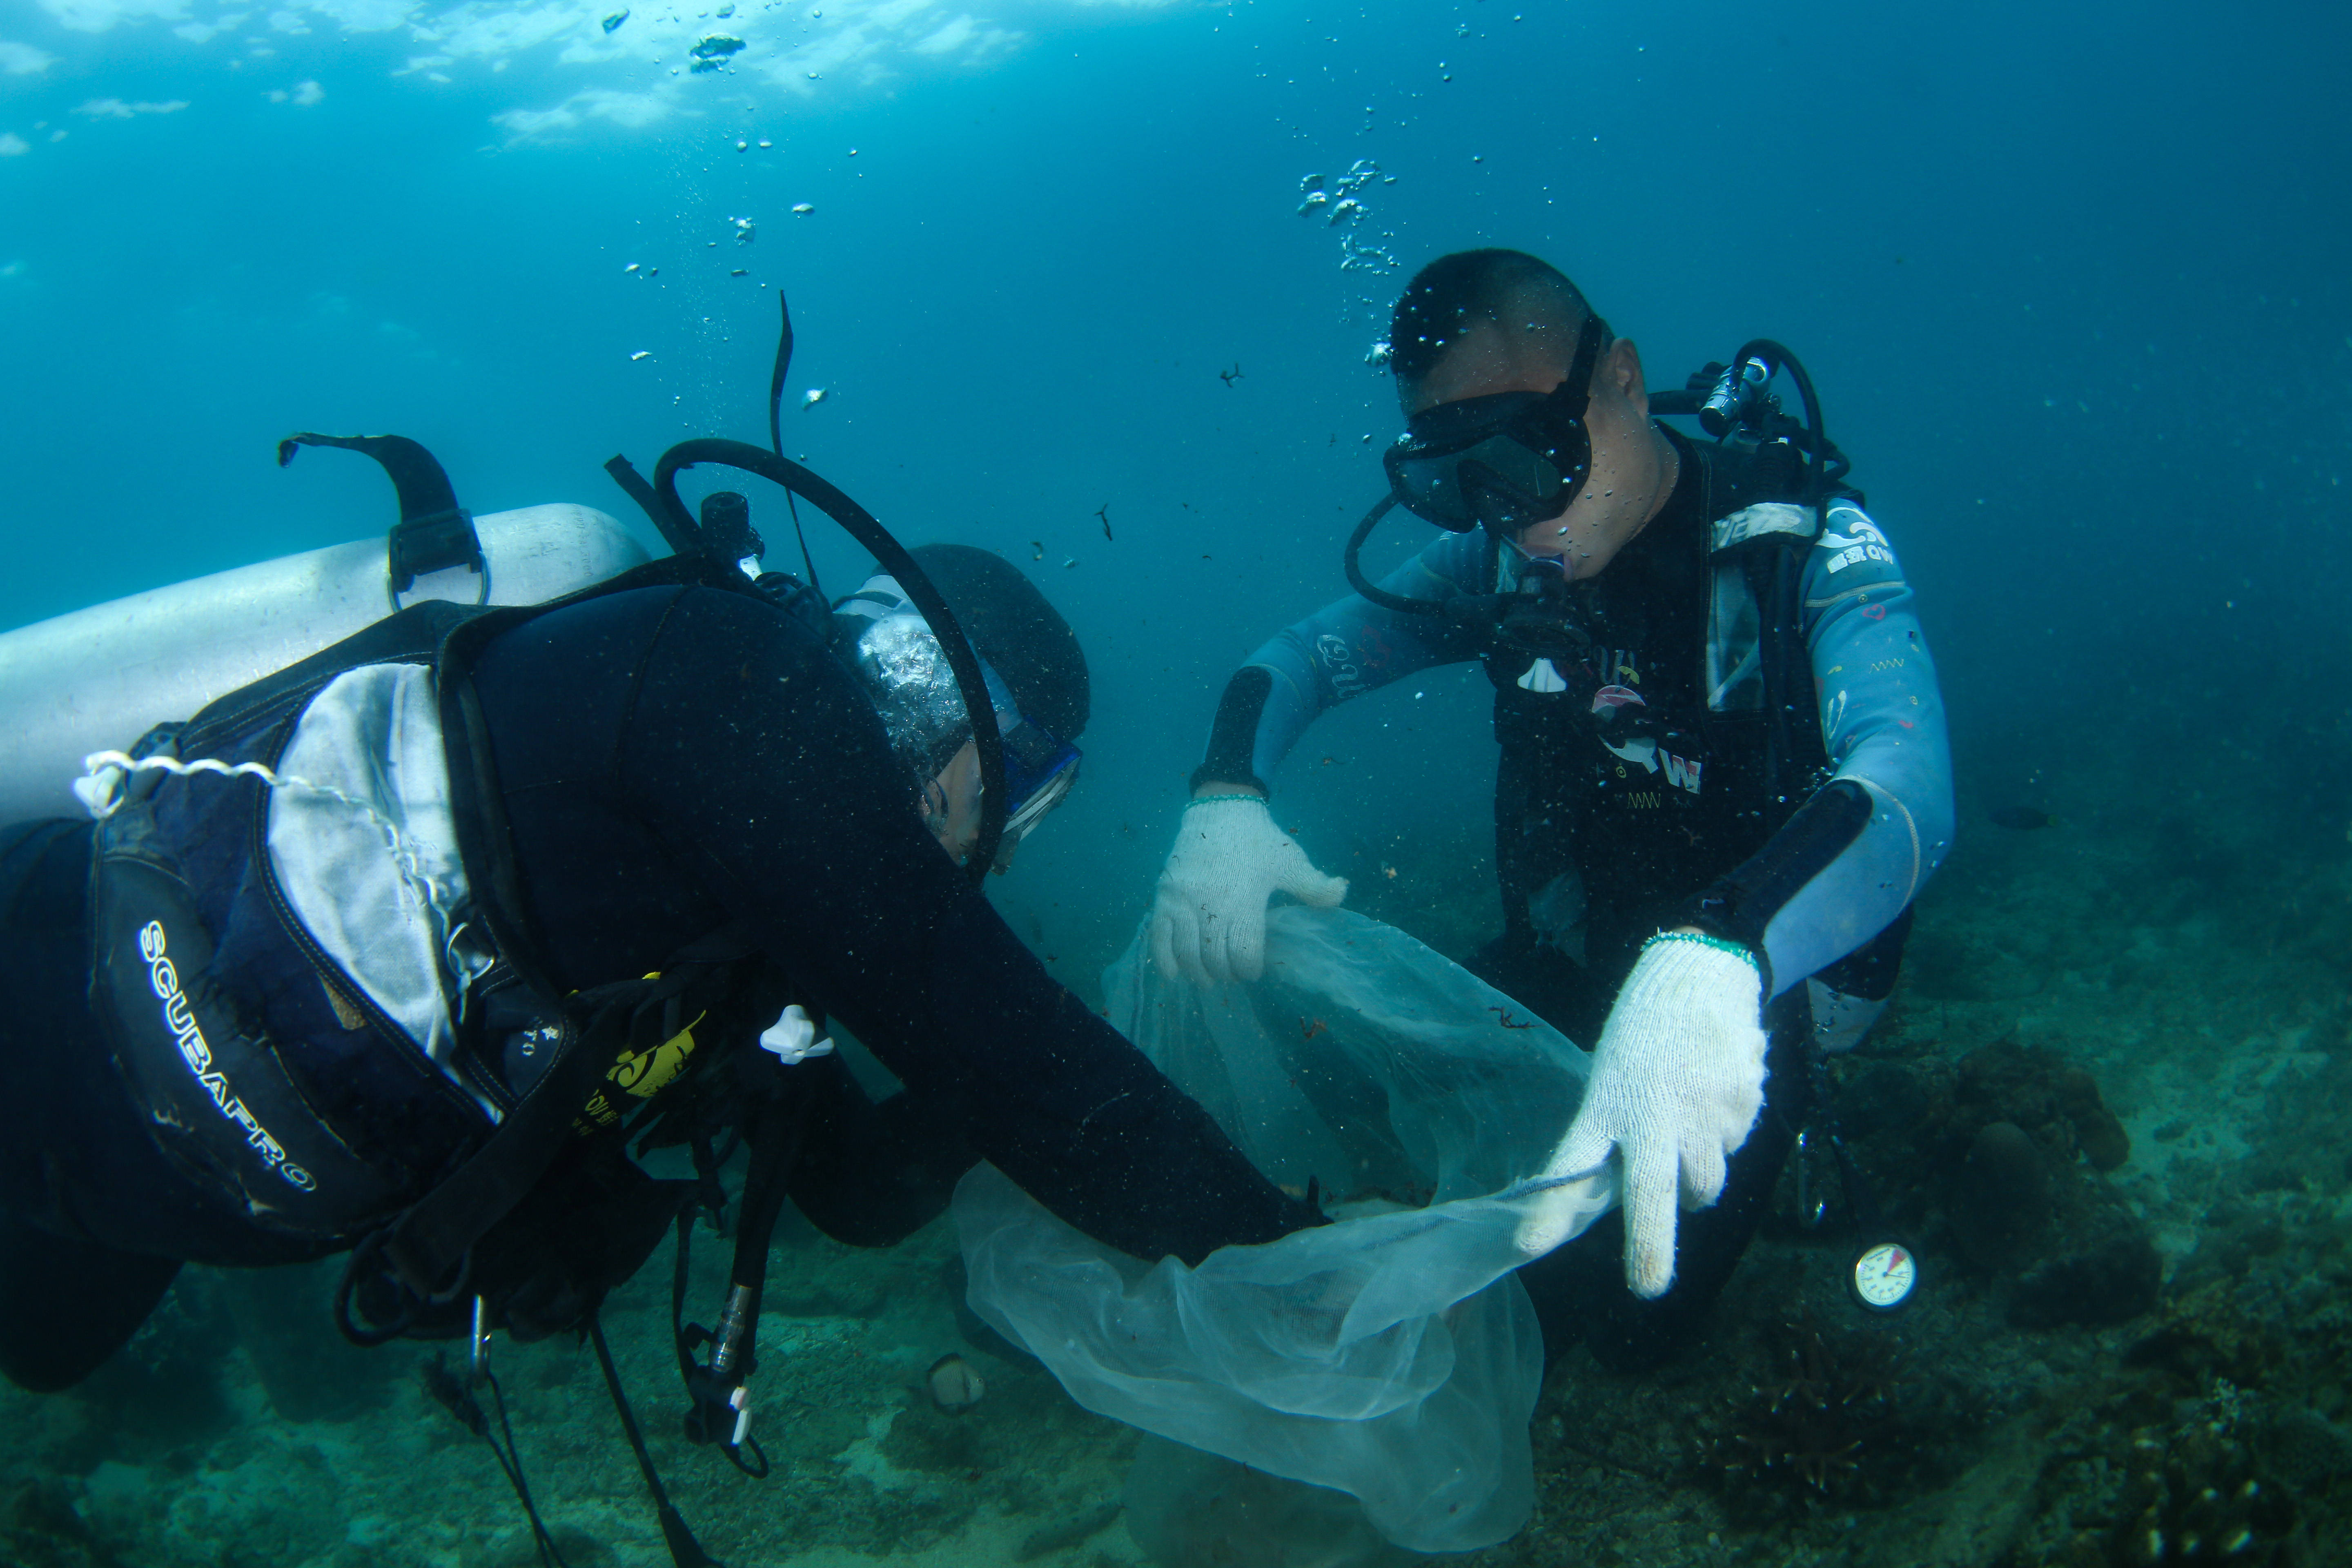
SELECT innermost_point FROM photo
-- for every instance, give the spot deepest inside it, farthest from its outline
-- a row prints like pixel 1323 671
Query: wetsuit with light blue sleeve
pixel 1753 741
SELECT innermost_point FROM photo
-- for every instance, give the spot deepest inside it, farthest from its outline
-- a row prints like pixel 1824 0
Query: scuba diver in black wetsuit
pixel 400 949
pixel 670 761
pixel 1724 773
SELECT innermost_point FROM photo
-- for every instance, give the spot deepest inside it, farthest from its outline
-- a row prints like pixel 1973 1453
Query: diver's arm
pixel 1856 854
pixel 1344 649
pixel 754 753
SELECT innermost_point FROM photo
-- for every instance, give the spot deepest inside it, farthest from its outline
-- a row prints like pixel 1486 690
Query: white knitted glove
pixel 1678 1082
pixel 1208 919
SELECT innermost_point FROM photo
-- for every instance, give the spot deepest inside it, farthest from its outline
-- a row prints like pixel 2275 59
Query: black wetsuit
pixel 671 759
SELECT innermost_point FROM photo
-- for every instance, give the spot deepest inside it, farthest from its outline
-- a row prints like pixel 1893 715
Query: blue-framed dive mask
pixel 1040 768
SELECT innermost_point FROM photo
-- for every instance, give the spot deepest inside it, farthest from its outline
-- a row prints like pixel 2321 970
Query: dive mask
pixel 1039 769
pixel 1503 462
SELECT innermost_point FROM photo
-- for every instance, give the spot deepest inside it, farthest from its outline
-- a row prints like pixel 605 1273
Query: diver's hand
pixel 1678 1082
pixel 1208 919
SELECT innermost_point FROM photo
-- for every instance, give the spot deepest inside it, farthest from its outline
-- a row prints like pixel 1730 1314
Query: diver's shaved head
pixel 1522 308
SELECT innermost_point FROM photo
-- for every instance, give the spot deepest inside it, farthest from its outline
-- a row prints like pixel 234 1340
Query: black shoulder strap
pixel 1740 476
pixel 1774 563
pixel 434 534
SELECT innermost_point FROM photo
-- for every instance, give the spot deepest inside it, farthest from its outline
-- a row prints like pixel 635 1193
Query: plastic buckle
pixel 419 546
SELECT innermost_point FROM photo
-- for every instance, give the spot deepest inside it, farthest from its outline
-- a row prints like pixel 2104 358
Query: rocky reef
pixel 2003 1155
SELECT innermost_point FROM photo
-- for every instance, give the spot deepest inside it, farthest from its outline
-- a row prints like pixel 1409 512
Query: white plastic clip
pixel 792 1037
pixel 1542 676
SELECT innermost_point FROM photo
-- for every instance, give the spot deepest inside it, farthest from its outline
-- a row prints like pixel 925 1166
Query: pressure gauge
pixel 1883 1275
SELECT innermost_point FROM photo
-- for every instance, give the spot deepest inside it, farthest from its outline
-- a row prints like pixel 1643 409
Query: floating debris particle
pixel 953 1384
pixel 765 143
pixel 745 230
pixel 740 272
pixel 641 354
pixel 615 20
pixel 802 209
pixel 632 266
pixel 741 145
pixel 1073 561
pixel 1381 353
pixel 653 271
pixel 811 398
pixel 1036 549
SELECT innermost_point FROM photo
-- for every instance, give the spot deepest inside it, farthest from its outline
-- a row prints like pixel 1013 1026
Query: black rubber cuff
pixel 1739 905
pixel 1232 739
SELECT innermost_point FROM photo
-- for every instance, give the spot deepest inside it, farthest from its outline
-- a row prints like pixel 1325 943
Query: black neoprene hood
pixel 1022 636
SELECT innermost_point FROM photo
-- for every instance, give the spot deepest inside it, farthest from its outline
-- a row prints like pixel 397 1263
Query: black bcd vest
pixel 278 1089
pixel 1620 763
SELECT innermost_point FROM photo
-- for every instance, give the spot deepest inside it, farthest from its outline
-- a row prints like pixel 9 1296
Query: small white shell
pixel 953 1384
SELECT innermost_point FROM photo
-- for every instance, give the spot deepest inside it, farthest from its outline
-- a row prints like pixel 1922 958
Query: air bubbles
pixel 1343 209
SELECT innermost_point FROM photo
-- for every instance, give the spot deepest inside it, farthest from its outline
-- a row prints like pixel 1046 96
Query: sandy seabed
pixel 2192 963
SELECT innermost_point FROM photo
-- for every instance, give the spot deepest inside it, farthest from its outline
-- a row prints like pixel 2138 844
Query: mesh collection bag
pixel 1390 1356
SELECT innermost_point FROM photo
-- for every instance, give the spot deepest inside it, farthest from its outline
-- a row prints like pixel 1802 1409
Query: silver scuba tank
pixel 99 678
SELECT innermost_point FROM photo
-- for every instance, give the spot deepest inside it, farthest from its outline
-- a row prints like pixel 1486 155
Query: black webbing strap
pixel 427 1245
pixel 456 1397
pixel 434 534
pixel 677 531
pixel 684 1550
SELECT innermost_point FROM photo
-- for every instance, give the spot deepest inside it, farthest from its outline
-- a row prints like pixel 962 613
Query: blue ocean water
pixel 2073 282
